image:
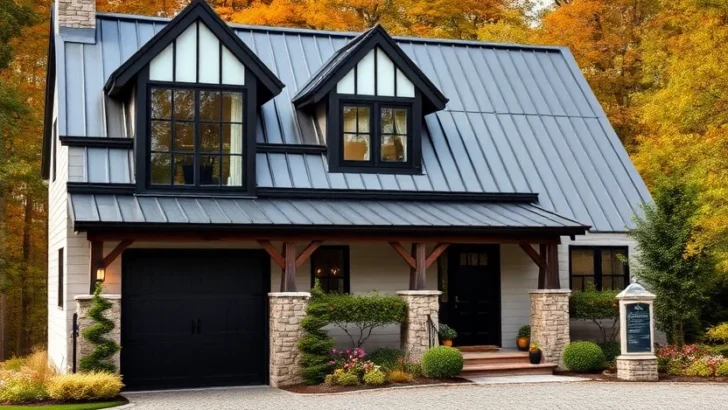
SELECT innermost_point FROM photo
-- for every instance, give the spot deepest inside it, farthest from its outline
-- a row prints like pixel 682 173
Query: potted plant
pixel 534 354
pixel 524 338
pixel 446 334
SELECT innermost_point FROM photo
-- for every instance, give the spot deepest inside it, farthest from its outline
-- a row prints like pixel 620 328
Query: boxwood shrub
pixel 441 362
pixel 584 357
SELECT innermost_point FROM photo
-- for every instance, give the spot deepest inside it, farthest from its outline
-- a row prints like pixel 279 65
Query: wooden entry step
pixel 480 349
pixel 482 362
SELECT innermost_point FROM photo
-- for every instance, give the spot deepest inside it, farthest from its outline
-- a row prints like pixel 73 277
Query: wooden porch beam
pixel 111 257
pixel 310 249
pixel 439 249
pixel 403 253
pixel 273 252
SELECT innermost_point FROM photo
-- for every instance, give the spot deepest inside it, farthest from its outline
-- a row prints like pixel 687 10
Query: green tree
pixel 680 279
pixel 98 360
pixel 315 344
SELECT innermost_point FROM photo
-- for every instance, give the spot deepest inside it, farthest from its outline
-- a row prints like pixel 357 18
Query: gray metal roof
pixel 519 119
pixel 87 210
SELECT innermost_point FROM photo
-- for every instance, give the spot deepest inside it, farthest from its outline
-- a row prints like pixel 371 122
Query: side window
pixel 330 265
pixel 60 278
pixel 604 268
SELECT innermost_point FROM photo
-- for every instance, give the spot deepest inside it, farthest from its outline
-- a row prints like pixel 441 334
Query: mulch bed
pixel 611 376
pixel 324 388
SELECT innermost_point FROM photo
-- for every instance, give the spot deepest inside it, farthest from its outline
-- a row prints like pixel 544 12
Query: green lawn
pixel 83 406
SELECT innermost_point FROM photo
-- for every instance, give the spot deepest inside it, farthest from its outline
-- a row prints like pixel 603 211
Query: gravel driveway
pixel 582 396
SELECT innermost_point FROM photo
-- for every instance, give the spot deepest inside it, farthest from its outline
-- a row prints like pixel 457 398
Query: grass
pixel 81 406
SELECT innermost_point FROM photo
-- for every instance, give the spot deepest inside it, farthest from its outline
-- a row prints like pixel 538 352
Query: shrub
pixel 104 349
pixel 315 344
pixel 386 357
pixel 414 368
pixel 399 376
pixel 445 332
pixel 722 370
pixel 524 331
pixel 599 307
pixel 583 357
pixel 675 368
pixel 375 378
pixel 718 333
pixel 20 386
pixel 364 313
pixel 611 350
pixel 85 386
pixel 347 379
pixel 330 380
pixel 14 363
pixel 720 350
pixel 699 368
pixel 442 361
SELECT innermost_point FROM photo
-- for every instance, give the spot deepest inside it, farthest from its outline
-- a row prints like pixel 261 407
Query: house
pixel 206 174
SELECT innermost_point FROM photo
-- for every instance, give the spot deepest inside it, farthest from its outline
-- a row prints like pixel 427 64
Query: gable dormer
pixel 196 88
pixel 375 98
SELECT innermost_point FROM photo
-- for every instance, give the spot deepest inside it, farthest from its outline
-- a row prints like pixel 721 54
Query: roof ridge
pixel 348 34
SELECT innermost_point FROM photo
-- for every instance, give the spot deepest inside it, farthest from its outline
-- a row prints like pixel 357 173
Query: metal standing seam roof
pixel 520 119
pixel 104 209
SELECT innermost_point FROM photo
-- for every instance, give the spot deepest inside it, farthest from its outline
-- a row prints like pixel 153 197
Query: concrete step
pixel 474 358
pixel 507 369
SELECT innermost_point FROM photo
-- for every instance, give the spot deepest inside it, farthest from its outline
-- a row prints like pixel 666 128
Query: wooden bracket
pixel 288 261
pixel 439 249
pixel 539 260
pixel 310 249
pixel 418 261
pixel 403 253
pixel 111 257
pixel 273 252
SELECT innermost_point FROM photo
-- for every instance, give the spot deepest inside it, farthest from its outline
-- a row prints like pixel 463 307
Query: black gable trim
pixel 197 10
pixel 319 87
pixel 357 194
pixel 50 88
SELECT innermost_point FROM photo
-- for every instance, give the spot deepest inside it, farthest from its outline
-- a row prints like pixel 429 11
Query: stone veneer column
pixel 414 333
pixel 287 309
pixel 550 322
pixel 83 304
pixel 637 368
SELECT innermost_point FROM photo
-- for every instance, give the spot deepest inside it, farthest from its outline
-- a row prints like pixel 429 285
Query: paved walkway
pixel 581 396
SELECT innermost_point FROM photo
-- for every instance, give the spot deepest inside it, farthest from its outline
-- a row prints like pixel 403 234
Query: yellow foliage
pixel 84 386
pixel 399 376
pixel 24 379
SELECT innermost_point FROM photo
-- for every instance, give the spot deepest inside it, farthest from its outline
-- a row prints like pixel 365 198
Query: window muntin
pixel 196 137
pixel 605 268
pixel 330 265
pixel 390 142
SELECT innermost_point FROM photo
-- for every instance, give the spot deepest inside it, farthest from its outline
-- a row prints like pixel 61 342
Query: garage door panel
pixel 194 318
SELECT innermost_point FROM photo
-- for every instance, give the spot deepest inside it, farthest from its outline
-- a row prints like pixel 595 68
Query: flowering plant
pixel 352 360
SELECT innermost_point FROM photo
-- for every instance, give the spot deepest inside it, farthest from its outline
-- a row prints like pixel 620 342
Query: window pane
pixel 400 121
pixel 161 134
pixel 394 148
pixel 184 169
pixel 582 261
pixel 160 170
pixel 161 103
pixel 232 139
pixel 184 104
pixel 350 118
pixel 356 147
pixel 611 263
pixel 210 105
pixel 232 170
pixel 387 121
pixel 576 283
pixel 364 115
pixel 232 107
pixel 184 136
pixel 209 170
pixel 328 266
pixel 607 283
pixel 209 137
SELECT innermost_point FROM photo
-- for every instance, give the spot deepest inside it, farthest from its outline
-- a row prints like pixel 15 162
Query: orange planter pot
pixel 523 343
pixel 447 343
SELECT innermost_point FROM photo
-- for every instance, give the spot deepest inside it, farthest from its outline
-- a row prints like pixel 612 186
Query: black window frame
pixel 597 268
pixel 347 265
pixel 54 147
pixel 61 273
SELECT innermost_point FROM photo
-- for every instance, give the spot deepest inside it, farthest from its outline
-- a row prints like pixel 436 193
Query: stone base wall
pixel 637 368
pixel 550 322
pixel 83 304
pixel 77 13
pixel 287 309
pixel 414 333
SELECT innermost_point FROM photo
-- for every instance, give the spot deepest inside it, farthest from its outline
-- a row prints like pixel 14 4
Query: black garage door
pixel 194 318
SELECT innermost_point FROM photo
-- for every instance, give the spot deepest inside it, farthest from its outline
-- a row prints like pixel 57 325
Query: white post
pixel 637 362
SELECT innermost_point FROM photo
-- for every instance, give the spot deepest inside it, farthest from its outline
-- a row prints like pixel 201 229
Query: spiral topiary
pixel 315 344
pixel 104 349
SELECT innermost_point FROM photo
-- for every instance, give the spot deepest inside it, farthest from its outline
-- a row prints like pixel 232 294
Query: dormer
pixel 194 89
pixel 374 98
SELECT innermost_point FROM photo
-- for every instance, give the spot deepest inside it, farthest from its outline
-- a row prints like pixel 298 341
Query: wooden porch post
pixel 97 260
pixel 552 255
pixel 420 271
pixel 289 272
pixel 542 269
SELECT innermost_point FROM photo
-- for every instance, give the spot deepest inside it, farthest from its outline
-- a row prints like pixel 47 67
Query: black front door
pixel 194 318
pixel 474 299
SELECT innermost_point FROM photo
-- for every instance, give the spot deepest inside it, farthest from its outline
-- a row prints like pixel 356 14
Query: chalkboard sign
pixel 639 339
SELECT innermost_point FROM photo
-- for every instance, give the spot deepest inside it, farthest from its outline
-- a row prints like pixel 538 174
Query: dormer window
pixel 375 99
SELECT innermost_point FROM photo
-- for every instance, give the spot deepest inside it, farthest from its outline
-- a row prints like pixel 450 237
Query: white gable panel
pixel 365 75
pixel 233 71
pixel 385 74
pixel 209 56
pixel 405 88
pixel 347 84
pixel 186 55
pixel 160 69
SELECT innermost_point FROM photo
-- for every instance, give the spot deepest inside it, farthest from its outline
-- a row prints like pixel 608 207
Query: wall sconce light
pixel 100 274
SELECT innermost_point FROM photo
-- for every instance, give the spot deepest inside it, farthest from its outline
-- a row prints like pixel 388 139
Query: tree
pixel 680 279
pixel 104 349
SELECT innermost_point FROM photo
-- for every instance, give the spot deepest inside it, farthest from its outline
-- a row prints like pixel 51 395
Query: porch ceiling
pixel 90 211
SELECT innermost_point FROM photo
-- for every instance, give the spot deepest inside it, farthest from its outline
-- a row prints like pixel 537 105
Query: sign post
pixel 637 333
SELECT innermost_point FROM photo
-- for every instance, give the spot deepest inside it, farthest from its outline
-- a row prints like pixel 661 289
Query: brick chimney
pixel 76 13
